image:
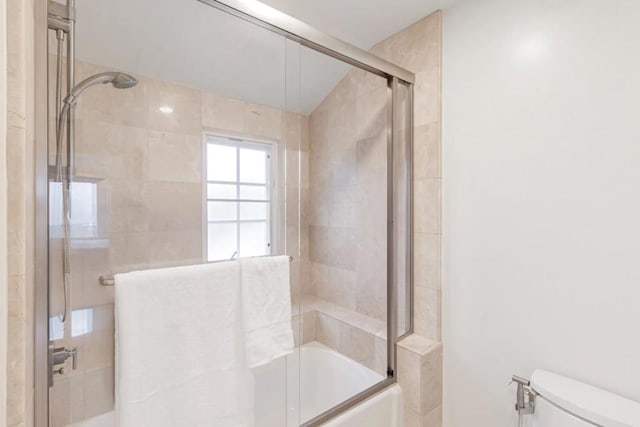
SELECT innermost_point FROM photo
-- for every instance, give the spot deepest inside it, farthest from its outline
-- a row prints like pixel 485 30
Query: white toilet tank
pixel 563 402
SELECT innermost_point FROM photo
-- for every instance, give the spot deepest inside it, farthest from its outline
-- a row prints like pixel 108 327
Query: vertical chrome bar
pixel 71 81
pixel 41 249
pixel 392 289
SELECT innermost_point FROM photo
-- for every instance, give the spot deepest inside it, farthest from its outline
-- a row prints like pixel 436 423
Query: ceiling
pixel 190 43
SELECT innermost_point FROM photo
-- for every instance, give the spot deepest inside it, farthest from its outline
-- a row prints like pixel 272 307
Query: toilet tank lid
pixel 587 402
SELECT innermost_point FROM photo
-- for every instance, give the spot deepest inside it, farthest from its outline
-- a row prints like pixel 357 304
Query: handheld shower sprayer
pixel 119 81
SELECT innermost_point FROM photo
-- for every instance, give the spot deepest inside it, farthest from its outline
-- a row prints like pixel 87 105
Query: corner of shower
pixel 185 168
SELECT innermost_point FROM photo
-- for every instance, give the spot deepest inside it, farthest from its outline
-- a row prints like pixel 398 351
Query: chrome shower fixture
pixel 117 79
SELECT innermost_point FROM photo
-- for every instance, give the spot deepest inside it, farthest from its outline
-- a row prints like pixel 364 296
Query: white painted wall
pixel 3 213
pixel 541 152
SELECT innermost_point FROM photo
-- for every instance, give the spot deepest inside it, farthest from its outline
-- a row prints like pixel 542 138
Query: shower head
pixel 117 79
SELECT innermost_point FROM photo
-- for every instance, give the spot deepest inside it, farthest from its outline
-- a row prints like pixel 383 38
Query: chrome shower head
pixel 117 79
pixel 124 81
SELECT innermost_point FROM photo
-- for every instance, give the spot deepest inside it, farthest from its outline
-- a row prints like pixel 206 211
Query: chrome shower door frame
pixel 298 31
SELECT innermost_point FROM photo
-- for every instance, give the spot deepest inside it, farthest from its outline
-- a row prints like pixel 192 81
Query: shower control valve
pixel 61 354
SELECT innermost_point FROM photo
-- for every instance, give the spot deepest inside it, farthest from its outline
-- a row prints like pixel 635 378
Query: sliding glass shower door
pixel 202 136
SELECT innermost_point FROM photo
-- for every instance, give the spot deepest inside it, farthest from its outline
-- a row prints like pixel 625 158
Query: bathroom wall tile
pixel 427 96
pixel 426 265
pixel 420 375
pixel 319 198
pixel 105 150
pixel 339 288
pixel 427 312
pixel 372 114
pixel 263 121
pixel 341 246
pixel 185 102
pixel 104 103
pixel 128 251
pixel 61 403
pixel 99 348
pixel 433 418
pixel 380 348
pixel 16 183
pixel 418 46
pixel 342 211
pixel 15 253
pixel 426 151
pixel 319 275
pixel 319 244
pixel 372 162
pixel 223 113
pixel 304 327
pixel 171 248
pixel 357 344
pixel 371 210
pixel 99 391
pixel 427 205
pixel 409 378
pixel 431 379
pixel 174 206
pixel 126 206
pixel 328 331
pixel 175 157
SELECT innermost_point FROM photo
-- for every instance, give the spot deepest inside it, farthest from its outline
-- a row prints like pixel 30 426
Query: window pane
pixel 222 191
pixel 253 239
pixel 256 210
pixel 222 211
pixel 221 241
pixel 221 163
pixel 253 166
pixel 253 192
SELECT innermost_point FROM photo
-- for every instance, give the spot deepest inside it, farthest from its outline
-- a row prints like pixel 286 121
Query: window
pixel 238 198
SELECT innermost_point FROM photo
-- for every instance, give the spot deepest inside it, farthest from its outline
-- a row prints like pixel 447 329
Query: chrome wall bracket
pixel 525 396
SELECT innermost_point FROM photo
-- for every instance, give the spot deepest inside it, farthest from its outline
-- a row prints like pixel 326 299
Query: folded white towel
pixel 266 308
pixel 179 348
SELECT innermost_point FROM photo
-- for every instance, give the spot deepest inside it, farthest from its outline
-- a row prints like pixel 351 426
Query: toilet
pixel 563 402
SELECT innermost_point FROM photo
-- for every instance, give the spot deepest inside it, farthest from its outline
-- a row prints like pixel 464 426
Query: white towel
pixel 179 348
pixel 266 308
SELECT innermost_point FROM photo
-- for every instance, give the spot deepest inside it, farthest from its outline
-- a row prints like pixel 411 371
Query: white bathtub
pixel 294 389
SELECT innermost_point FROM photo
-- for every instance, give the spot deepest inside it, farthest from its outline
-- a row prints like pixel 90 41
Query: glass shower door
pixel 199 162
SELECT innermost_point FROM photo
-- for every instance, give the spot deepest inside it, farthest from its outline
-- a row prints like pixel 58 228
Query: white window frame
pixel 240 140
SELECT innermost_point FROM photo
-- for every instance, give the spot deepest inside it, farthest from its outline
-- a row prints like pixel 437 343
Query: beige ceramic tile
pixel 328 331
pixel 341 247
pixel 185 102
pixel 99 392
pixel 427 205
pixel 339 288
pixel 263 121
pixel 426 262
pixel 372 114
pixel 427 313
pixel 431 378
pixel 106 150
pixel 174 206
pixel 319 244
pixel 426 151
pixel 357 344
pixel 427 96
pixel 175 157
pixel 223 113
pixel 170 248
pixel 128 251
